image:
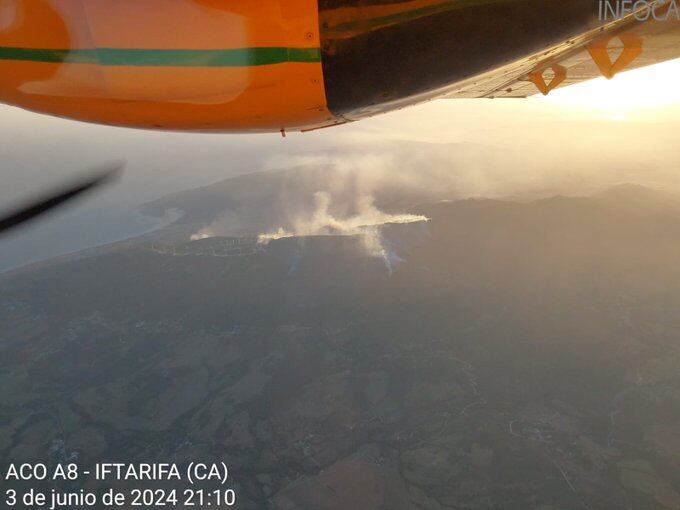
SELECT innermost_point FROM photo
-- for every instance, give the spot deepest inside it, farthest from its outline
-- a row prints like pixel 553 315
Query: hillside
pixel 500 355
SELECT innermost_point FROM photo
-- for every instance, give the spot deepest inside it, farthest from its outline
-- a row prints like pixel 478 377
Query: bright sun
pixel 650 87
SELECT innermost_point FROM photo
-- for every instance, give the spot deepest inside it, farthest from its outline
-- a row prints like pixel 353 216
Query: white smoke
pixel 322 222
pixel 366 224
pixel 204 233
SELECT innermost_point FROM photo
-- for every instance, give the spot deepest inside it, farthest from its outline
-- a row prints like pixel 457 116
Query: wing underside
pixel 626 44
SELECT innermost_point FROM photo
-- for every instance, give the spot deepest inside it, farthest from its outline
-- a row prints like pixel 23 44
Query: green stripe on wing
pixel 236 57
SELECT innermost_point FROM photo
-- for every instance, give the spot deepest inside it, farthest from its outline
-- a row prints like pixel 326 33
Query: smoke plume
pixel 365 224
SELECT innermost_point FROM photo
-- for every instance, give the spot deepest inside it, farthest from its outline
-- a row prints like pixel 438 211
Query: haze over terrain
pixel 501 354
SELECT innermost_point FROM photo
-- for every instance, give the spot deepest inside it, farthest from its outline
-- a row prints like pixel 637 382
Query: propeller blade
pixel 57 197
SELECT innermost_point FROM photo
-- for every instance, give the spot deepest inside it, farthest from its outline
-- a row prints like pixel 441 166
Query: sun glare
pixel 641 89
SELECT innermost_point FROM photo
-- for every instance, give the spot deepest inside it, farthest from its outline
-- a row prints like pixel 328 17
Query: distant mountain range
pixel 516 355
pixel 396 175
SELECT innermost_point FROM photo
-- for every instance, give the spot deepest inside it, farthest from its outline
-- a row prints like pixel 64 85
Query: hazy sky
pixel 631 121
